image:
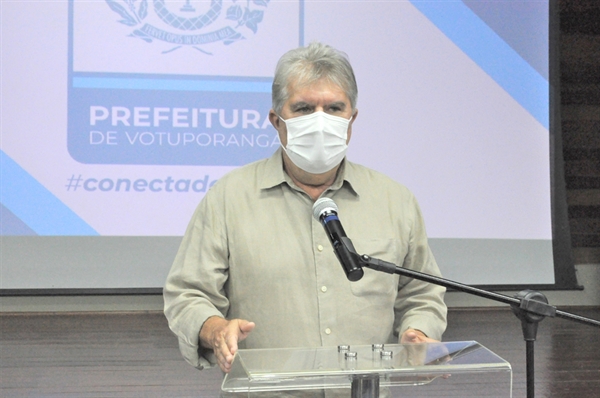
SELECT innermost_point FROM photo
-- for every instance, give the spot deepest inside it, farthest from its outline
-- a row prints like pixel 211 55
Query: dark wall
pixel 580 115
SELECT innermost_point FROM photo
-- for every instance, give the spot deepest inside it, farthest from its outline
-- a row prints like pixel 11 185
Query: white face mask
pixel 317 142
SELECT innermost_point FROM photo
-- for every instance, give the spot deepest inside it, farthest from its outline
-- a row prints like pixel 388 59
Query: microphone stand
pixel 530 306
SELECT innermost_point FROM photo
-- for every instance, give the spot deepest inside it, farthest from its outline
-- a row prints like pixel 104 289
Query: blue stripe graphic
pixel 500 61
pixel 171 84
pixel 33 204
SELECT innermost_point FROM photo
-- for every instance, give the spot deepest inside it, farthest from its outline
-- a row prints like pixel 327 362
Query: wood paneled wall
pixel 580 114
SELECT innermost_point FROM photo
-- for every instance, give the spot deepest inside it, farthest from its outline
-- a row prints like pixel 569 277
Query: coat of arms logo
pixel 186 26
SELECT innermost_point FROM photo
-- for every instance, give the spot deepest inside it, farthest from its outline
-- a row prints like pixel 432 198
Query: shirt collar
pixel 274 175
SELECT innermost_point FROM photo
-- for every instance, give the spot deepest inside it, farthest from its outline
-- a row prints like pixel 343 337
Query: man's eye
pixel 337 107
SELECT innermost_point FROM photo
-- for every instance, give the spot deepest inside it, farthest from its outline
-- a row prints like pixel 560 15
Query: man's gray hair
pixel 306 65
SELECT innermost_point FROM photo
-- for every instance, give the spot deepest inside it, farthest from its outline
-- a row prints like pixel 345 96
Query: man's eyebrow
pixel 340 104
pixel 299 104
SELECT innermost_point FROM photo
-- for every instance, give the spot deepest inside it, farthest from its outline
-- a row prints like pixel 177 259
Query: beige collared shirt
pixel 254 251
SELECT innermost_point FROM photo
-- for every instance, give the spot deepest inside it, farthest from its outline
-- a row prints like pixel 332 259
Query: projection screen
pixel 118 116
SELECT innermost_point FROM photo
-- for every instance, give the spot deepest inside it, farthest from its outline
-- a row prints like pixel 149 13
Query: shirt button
pixel 320 248
pixel 323 289
pixel 327 331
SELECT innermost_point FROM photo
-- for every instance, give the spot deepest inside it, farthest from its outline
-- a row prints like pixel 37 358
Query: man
pixel 255 269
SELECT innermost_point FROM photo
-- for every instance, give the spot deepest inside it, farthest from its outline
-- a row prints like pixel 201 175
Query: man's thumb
pixel 246 326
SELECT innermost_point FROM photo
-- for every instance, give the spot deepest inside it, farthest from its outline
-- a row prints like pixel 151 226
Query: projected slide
pixel 119 115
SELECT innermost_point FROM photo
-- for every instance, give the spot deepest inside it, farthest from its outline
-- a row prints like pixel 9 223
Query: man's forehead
pixel 301 91
pixel 300 82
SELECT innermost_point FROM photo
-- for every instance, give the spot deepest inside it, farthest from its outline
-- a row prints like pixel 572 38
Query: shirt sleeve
pixel 194 290
pixel 420 305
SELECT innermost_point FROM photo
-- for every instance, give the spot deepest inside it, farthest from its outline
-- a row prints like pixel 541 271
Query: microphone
pixel 325 211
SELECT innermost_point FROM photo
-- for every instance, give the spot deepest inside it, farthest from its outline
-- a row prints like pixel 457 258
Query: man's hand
pixel 415 336
pixel 223 336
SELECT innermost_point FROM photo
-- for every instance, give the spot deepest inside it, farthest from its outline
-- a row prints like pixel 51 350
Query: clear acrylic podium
pixel 407 370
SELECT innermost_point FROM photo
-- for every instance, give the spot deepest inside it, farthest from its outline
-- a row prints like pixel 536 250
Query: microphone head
pixel 323 205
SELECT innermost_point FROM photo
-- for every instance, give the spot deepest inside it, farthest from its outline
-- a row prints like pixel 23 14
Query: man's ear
pixel 279 126
pixel 274 119
pixel 354 115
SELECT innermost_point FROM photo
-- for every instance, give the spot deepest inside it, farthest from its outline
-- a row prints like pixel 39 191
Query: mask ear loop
pixel 280 143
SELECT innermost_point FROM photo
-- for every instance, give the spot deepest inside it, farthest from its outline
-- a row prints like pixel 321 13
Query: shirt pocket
pixel 376 283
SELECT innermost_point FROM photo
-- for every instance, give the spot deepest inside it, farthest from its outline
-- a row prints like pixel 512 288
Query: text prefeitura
pixel 178 117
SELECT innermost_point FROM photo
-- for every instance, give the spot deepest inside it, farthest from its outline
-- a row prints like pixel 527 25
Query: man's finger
pixel 226 352
pixel 410 337
pixel 232 337
pixel 245 328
